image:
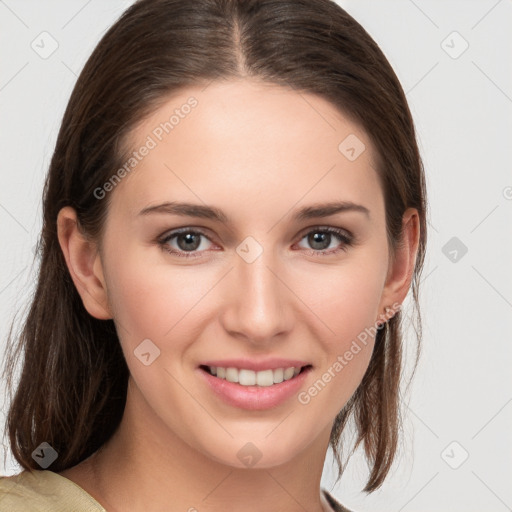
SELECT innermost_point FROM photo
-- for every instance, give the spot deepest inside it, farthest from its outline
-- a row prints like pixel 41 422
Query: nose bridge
pixel 257 303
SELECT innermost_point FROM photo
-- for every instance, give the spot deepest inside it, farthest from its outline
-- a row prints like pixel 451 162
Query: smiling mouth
pixel 264 378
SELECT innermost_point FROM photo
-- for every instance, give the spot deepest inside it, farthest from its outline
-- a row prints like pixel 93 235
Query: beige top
pixel 46 491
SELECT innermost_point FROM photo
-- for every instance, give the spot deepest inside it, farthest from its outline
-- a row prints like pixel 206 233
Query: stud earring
pixel 382 324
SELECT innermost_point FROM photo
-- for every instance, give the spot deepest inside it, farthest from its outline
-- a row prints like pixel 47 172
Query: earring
pixel 380 324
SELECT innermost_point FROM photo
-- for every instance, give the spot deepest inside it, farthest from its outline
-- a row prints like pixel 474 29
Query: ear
pixel 84 264
pixel 401 269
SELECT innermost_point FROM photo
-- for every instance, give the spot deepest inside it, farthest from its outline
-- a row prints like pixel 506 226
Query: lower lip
pixel 254 398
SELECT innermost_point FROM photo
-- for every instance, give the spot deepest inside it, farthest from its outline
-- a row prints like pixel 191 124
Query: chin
pixel 259 453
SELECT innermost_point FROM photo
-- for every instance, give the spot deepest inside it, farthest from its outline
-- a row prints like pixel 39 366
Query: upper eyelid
pixel 179 231
pixel 320 227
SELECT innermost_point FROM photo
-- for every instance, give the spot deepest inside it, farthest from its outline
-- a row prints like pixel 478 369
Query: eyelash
pixel 342 235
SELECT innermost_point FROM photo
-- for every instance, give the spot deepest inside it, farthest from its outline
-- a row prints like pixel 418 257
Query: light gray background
pixel 462 105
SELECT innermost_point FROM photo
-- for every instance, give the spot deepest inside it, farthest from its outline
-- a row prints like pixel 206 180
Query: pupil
pixel 190 243
pixel 319 238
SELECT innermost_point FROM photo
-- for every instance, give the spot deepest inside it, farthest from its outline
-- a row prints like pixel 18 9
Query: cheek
pixel 344 299
pixel 357 308
pixel 156 301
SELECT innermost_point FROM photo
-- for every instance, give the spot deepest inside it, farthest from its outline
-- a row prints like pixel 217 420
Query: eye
pixel 187 240
pixel 320 239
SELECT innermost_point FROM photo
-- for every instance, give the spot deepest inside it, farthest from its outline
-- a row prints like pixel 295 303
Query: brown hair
pixel 73 383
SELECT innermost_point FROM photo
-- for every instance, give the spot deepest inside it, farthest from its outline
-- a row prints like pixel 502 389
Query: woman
pixel 234 214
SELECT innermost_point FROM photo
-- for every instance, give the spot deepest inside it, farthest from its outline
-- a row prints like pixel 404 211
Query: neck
pixel 145 459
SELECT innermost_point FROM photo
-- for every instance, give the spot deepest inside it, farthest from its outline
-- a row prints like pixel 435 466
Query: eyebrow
pixel 314 211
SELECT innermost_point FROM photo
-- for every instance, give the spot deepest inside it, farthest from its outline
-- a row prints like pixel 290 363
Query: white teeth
pixel 278 375
pixel 288 373
pixel 232 374
pixel 246 377
pixel 252 378
pixel 265 378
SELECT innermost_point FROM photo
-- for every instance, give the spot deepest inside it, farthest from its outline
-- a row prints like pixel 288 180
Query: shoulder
pixel 44 491
pixel 336 506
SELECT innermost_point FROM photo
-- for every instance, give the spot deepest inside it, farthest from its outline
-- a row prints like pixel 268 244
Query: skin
pixel 259 152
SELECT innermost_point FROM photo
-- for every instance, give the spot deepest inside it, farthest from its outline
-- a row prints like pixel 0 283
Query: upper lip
pixel 252 364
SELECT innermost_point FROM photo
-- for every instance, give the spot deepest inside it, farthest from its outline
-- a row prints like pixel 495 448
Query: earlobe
pixel 401 269
pixel 84 264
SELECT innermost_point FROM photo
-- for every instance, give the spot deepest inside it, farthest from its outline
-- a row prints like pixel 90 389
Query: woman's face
pixel 262 282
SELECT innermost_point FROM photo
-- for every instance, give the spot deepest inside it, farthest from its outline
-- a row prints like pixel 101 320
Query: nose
pixel 258 304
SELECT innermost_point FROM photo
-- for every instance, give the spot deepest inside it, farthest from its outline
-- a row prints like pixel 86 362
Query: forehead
pixel 253 145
